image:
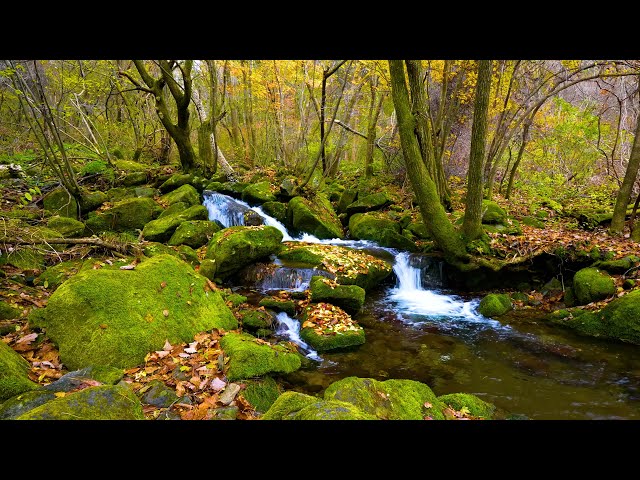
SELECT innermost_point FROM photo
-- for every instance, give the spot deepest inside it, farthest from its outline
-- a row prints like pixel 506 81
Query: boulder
pixel 92 200
pixel 378 227
pixel 60 202
pixel 115 317
pixel 591 284
pixel 348 297
pixel 315 216
pixel 492 212
pixel 194 233
pixel 298 406
pixel 127 215
pixel 475 406
pixel 278 305
pixel 186 194
pixel 174 181
pixel 277 210
pixel 8 312
pixel 495 304
pixel 161 229
pixel 327 327
pixel 67 226
pixel 259 193
pixel 14 373
pixel 261 393
pixel 376 201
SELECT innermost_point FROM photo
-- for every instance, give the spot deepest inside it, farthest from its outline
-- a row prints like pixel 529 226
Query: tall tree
pixel 624 194
pixel 180 131
pixel 424 188
pixel 472 226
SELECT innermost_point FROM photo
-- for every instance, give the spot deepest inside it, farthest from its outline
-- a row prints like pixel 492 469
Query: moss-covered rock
pixel 118 194
pixel 8 312
pixel 234 299
pixel 492 212
pixel 233 189
pixel 348 265
pixel 22 403
pixel 248 358
pixel 532 222
pixel 376 201
pixel 261 393
pixel 235 247
pixel 130 166
pixel 134 178
pixel 161 229
pixel 495 304
pixel 552 286
pixel 86 377
pixel 104 402
pixel 620 265
pixel 54 275
pixel 253 319
pixel 208 269
pixel 388 400
pixel 259 193
pixel 188 254
pixel 509 227
pixel 628 284
pixel 147 192
pixel 591 285
pixel 419 229
pixel 520 297
pixel 60 202
pixel 173 208
pixel 287 306
pixel 185 194
pixel 370 226
pixel 158 394
pixel 476 407
pixel 24 258
pixel 91 200
pixel 67 226
pixel 288 405
pixel 277 210
pixel 315 216
pixel 619 320
pixel 327 327
pixel 115 317
pixel 127 215
pixel 174 181
pixel 332 410
pixel 347 197
pixel 14 369
pixel 348 297
pixel 194 233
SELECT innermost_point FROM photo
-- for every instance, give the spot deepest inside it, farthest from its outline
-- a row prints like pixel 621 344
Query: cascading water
pixel 290 328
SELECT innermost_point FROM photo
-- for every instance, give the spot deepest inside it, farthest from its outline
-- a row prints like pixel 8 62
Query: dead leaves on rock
pixel 327 319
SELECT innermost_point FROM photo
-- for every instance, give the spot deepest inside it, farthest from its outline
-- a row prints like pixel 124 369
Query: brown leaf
pixel 27 339
pixel 163 284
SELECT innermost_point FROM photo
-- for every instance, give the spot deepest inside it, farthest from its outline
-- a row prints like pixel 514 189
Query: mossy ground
pixel 14 370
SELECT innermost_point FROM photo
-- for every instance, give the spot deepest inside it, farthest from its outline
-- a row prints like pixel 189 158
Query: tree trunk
pixel 424 188
pixel 512 174
pixel 248 115
pixel 472 226
pixel 374 114
pixel 624 195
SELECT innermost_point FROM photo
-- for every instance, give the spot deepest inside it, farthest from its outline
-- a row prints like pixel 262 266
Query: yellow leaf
pixel 60 394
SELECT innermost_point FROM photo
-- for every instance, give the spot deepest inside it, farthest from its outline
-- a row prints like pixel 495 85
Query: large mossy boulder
pixel 67 226
pixel 299 406
pixel 186 194
pixel 279 305
pixel 327 327
pixel 250 357
pixel 161 229
pixel 277 210
pixel 236 247
pixel 92 200
pixel 261 393
pixel 104 402
pixel 260 192
pixel 348 297
pixel 376 201
pixel 378 227
pixel 591 284
pixel 495 304
pixel 347 197
pixel 388 400
pixel 129 215
pixel 348 265
pixel 315 216
pixel 255 319
pixel 492 212
pixel 131 166
pixel 474 405
pixel 134 178
pixel 621 265
pixel 115 317
pixel 14 373
pixel 619 320
pixel 60 202
pixel 194 233
pixel 54 275
pixel 174 181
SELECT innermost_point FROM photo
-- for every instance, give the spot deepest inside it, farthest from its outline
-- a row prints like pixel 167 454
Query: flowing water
pixel 419 330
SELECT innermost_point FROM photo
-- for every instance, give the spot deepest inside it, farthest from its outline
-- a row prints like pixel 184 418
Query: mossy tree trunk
pixel 424 188
pixel 180 93
pixel 375 106
pixel 472 226
pixel 624 195
pixel 248 114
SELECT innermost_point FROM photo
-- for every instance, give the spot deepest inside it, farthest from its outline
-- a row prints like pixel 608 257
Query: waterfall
pixel 290 328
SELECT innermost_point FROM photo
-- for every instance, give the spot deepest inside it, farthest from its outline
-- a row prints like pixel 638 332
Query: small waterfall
pixel 275 276
pixel 224 209
pixel 290 328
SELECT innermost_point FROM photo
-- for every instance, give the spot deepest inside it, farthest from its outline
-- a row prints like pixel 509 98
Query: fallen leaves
pixel 327 319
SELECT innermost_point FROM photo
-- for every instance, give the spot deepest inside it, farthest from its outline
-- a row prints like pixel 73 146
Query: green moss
pixel 151 249
pixel 233 189
pixel 347 197
pixel 369 226
pixel 208 269
pixel 94 167
pixel 261 393
pixel 53 276
pixel 476 406
pixel 119 193
pixel 495 304
pixel 105 402
pixel 185 194
pixel 14 369
pixel 388 400
pixel 127 215
pixel 255 319
pixel 22 403
pixel 419 230
pixel 194 233
pixel 159 395
pixel 134 178
pixel 259 193
pixel 332 410
pixel 24 258
pixel 520 297
pixel 553 285
pixel 236 247
pixel 277 210
pixel 8 312
pixel 174 181
pixel 492 212
pixel 130 166
pixel 214 186
pixel 287 306
pixel 348 297
pixel 145 192
pixel 161 229
pixel 68 227
pixel 115 317
pixel 287 405
pixel 332 340
pixel 621 265
pixel 533 222
pixel 173 208
pixel 509 227
pixel 188 254
pixel 315 216
pixel 629 283
pixel 569 298
pixel 591 285
pixel 367 203
pixel 248 358
pixel 60 202
pixel 235 299
pixel 300 255
pixel 92 200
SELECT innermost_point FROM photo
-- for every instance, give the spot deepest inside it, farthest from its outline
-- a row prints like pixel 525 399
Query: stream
pixel 416 328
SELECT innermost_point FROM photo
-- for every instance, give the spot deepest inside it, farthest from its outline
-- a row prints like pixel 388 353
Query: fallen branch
pixel 120 248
